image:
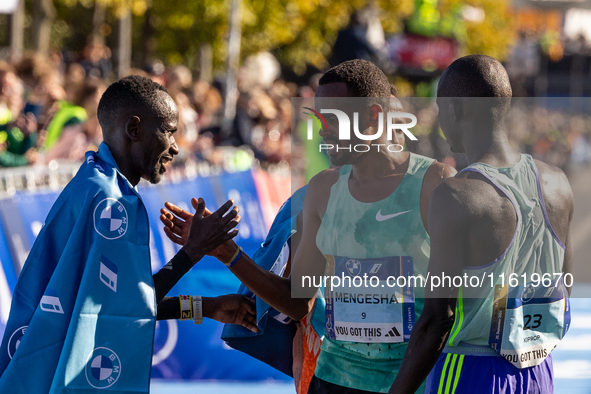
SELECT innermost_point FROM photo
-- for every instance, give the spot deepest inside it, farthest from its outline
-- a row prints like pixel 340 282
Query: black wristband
pixel 169 308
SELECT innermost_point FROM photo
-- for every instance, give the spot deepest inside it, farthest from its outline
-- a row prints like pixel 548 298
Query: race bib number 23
pixel 529 321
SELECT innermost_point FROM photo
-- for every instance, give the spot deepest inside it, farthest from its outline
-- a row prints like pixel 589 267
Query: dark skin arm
pixel 275 290
pixel 231 309
pixel 447 228
pixel 266 283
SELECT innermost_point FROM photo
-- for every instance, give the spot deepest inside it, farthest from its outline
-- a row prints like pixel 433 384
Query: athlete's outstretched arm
pixel 287 294
pixel 273 289
pixel 230 308
pixel 447 228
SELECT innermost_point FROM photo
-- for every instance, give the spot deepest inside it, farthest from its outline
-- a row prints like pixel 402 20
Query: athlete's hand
pixel 205 233
pixel 177 223
pixel 232 309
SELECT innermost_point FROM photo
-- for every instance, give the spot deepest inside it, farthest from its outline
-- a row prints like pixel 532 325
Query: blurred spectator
pixel 31 70
pixel 207 101
pixel 73 80
pixel 96 59
pixel 179 80
pixel 62 99
pixel 18 130
pixel 77 138
pixel 187 133
pixel 65 114
pixel 259 70
pixel 352 43
pixel 155 70
pixel 43 86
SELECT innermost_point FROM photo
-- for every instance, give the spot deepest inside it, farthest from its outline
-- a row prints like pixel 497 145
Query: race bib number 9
pixel 371 300
pixel 529 321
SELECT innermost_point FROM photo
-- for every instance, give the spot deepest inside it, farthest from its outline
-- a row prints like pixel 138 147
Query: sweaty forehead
pixel 165 107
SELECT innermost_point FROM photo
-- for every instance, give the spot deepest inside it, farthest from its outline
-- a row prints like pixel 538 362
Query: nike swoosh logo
pixel 381 218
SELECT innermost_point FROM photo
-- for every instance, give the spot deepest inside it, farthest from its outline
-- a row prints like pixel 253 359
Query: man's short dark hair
pixel 131 95
pixel 475 76
pixel 478 76
pixel 393 90
pixel 363 78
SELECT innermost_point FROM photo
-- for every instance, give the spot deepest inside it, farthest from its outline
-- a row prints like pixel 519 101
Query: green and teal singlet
pixel 521 320
pixel 368 327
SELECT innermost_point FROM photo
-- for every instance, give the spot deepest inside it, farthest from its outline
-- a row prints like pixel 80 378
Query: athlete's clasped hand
pixel 203 232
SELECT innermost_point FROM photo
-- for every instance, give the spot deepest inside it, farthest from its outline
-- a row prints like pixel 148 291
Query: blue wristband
pixel 235 258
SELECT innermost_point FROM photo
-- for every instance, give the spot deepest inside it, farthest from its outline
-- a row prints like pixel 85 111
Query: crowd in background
pixel 48 112
pixel 558 136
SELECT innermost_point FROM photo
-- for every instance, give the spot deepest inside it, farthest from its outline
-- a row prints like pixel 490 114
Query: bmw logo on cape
pixel 15 340
pixel 102 368
pixel 110 219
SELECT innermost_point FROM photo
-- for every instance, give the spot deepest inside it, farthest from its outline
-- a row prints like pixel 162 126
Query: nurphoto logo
pixel 345 129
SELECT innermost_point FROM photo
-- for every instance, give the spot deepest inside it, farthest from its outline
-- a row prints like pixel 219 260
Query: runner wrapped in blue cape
pixel 83 310
pixel 273 343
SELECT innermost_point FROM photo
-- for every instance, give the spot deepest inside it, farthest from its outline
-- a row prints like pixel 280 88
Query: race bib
pixel 529 321
pixel 373 300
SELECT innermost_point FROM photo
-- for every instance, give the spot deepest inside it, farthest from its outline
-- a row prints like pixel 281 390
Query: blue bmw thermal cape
pixel 83 310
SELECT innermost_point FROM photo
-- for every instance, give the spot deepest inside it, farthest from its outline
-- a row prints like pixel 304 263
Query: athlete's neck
pixel 122 157
pixel 372 167
pixel 491 148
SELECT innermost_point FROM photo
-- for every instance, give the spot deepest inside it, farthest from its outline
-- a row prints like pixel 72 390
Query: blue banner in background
pixel 182 350
pixel 22 217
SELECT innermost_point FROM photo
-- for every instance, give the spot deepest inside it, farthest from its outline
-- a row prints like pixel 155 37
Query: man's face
pixel 11 91
pixel 340 156
pixel 159 146
pixel 398 136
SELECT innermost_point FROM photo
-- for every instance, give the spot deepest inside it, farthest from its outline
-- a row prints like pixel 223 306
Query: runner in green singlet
pixel 506 214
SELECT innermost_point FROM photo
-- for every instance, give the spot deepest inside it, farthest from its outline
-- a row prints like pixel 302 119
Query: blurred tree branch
pixel 43 15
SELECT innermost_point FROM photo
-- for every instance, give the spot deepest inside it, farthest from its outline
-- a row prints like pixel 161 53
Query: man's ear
pixel 374 112
pixel 132 128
